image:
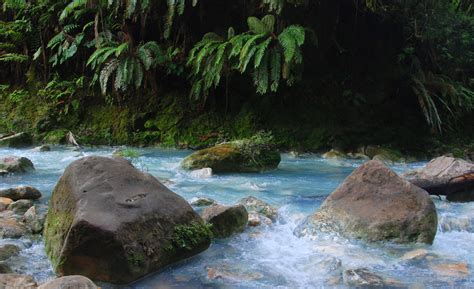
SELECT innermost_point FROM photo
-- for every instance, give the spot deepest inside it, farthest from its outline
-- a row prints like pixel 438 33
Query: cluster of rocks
pixel 12 280
pixel 370 152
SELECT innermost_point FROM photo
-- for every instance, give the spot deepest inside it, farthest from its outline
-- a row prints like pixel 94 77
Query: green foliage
pixel 271 57
pixel 18 95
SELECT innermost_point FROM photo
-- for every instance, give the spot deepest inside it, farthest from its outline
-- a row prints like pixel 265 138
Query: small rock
pixel 334 154
pixel 458 270
pixel 256 219
pixel 8 250
pixel 5 201
pixel 3 172
pixel 17 281
pixel 13 164
pixel 362 277
pixel 43 148
pixel 69 282
pixel 202 202
pixel 253 204
pixel 5 268
pixel 10 228
pixel 226 221
pixel 202 173
pixel 33 221
pixel 214 273
pixel 417 254
pixel 21 206
pixel 21 192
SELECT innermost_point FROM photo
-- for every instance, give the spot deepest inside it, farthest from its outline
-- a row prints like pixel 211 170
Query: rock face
pixel 226 221
pixel 22 192
pixel 446 176
pixel 18 140
pixel 375 204
pixel 113 223
pixel 233 157
pixel 13 164
pixel 69 282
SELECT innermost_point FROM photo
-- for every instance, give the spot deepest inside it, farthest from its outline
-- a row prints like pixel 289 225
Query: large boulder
pixel 375 204
pixel 69 282
pixel 225 220
pixel 447 176
pixel 110 222
pixel 238 156
pixel 13 164
pixel 21 192
pixel 18 140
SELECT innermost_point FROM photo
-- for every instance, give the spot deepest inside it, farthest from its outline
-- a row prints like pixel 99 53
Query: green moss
pixel 189 237
pixel 57 136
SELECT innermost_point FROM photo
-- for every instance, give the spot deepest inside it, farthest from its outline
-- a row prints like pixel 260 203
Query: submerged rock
pixel 202 173
pixel 362 277
pixel 13 164
pixel 69 282
pixel 42 148
pixel 17 281
pixel 447 176
pixel 110 222
pixel 226 221
pixel 18 140
pixel 457 270
pixel 375 204
pixel 253 204
pixel 21 192
pixel 239 156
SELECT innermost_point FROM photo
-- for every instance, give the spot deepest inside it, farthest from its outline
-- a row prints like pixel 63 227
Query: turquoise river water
pixel 270 256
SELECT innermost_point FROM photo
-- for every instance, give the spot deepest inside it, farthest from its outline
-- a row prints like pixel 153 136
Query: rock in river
pixel 375 204
pixel 110 222
pixel 238 156
pixel 21 192
pixel 17 281
pixel 69 282
pixel 447 176
pixel 13 164
pixel 226 221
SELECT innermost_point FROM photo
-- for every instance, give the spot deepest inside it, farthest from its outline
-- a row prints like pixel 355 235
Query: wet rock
pixel 358 156
pixel 256 219
pixel 21 192
pixel 456 270
pixel 13 164
pixel 21 206
pixel 382 154
pixel 375 204
pixel 418 254
pixel 11 228
pixel 33 221
pixel 232 275
pixel 17 281
pixel 362 277
pixel 447 176
pixel 4 202
pixel 238 156
pixel 5 268
pixel 3 172
pixel 202 202
pixel 202 173
pixel 110 222
pixel 18 140
pixel 334 154
pixel 253 204
pixel 42 148
pixel 8 250
pixel 69 282
pixel 226 221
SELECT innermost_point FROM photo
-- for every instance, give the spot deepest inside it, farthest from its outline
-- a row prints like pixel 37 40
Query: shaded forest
pixel 317 74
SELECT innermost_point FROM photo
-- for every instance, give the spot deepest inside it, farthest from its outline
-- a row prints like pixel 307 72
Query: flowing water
pixel 271 256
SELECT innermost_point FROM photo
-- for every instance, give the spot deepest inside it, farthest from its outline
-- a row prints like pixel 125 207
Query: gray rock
pixel 253 204
pixel 362 277
pixel 21 192
pixel 447 176
pixel 21 206
pixel 10 281
pixel 11 228
pixel 69 282
pixel 13 164
pixel 8 250
pixel 375 204
pixel 226 221
pixel 42 148
pixel 110 222
pixel 33 221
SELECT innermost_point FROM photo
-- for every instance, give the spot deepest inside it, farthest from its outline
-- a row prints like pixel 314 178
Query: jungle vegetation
pixel 412 56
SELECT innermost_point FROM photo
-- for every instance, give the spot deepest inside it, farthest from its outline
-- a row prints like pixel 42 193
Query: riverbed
pixel 270 256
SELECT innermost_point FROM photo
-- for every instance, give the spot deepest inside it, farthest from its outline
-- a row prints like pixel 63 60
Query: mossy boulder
pixel 18 140
pixel 110 222
pixel 375 204
pixel 238 156
pixel 14 164
pixel 225 220
pixel 382 154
